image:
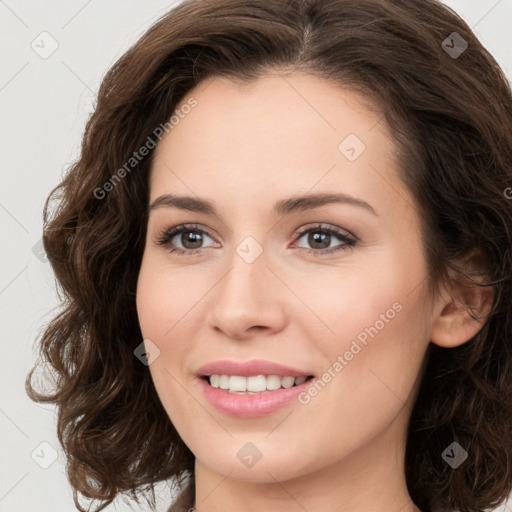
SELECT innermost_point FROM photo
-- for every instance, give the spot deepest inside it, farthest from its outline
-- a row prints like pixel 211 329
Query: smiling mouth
pixel 256 384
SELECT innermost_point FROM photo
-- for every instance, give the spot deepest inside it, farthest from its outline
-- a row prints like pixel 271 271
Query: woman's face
pixel 255 281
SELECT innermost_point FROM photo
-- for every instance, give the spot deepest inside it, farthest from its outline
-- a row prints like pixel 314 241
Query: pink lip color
pixel 249 368
pixel 250 406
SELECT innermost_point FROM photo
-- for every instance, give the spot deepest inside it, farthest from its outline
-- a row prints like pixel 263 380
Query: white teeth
pixel 256 383
pixel 287 382
pixel 253 384
pixel 237 383
pixel 273 382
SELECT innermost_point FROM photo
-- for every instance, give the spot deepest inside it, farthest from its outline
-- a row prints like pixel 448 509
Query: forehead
pixel 291 106
pixel 291 132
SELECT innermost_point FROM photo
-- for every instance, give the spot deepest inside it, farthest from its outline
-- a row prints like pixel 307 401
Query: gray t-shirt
pixel 185 501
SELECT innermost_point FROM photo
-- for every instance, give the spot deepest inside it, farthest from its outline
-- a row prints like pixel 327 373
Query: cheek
pixel 161 299
pixel 159 307
pixel 377 355
pixel 147 302
pixel 342 303
pixel 370 327
pixel 371 371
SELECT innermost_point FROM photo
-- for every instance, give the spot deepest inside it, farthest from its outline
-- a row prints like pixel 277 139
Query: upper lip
pixel 249 368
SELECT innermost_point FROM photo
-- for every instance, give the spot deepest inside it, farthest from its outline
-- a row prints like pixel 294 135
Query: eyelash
pixel 165 236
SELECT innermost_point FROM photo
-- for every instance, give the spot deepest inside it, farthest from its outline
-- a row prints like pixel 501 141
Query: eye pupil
pixel 316 237
pixel 191 236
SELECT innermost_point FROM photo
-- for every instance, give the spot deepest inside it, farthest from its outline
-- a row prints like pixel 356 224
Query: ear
pixel 462 312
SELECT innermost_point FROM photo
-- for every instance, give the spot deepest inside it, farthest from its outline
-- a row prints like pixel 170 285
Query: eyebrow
pixel 282 207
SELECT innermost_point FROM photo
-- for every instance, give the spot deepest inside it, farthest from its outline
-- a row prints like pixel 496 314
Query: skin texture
pixel 244 147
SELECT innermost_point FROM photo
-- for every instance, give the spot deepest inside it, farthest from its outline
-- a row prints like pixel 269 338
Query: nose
pixel 248 300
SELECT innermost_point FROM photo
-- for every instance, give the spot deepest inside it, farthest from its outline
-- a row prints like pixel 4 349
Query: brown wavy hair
pixel 451 117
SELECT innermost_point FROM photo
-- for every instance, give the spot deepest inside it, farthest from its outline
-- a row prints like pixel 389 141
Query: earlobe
pixel 461 316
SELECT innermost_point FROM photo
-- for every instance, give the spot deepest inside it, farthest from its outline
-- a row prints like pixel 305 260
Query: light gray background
pixel 44 106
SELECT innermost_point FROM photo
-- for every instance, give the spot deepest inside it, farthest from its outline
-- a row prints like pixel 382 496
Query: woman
pixel 370 372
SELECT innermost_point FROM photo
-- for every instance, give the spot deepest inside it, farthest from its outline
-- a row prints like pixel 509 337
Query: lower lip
pixel 251 406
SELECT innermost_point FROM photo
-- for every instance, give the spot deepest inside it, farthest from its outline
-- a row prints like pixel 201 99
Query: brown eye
pixel 191 239
pixel 320 237
pixel 194 238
